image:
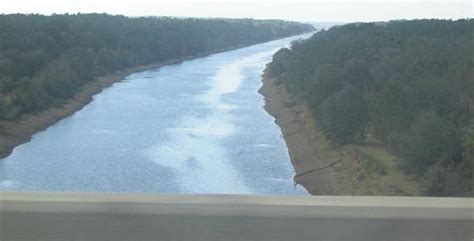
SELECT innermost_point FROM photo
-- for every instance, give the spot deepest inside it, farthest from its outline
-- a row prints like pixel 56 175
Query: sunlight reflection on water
pixel 194 127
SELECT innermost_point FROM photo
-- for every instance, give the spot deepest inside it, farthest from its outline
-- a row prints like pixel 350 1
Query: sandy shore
pixel 301 136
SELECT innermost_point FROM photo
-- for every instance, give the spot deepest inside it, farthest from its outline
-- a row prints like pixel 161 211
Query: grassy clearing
pixel 366 169
pixel 386 167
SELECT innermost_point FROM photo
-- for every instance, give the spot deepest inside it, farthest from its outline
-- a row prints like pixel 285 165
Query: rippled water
pixel 194 127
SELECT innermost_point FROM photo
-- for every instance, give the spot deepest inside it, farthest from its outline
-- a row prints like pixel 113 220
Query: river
pixel 194 127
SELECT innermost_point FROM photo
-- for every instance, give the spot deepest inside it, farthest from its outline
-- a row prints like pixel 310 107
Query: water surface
pixel 194 127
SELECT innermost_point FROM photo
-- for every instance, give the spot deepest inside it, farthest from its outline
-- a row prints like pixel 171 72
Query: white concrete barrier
pixel 113 216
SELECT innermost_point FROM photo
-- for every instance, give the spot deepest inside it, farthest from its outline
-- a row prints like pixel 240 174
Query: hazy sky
pixel 300 10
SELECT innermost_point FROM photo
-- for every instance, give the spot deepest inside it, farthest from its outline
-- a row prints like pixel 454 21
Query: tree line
pixel 409 84
pixel 44 59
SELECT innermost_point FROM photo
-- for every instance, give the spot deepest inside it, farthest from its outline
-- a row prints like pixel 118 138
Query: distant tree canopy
pixel 44 59
pixel 408 83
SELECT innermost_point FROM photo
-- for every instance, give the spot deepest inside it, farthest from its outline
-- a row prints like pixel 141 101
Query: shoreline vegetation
pixel 378 108
pixel 324 169
pixel 56 69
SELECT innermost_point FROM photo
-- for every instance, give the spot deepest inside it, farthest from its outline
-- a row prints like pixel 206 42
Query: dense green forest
pixel 408 84
pixel 44 59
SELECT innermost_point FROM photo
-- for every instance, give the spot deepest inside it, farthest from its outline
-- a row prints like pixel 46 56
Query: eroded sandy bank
pixel 301 137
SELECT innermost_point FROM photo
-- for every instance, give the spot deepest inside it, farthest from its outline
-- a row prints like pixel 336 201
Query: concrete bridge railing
pixel 112 216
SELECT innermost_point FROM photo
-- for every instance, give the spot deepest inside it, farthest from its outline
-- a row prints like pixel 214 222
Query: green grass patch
pixel 387 165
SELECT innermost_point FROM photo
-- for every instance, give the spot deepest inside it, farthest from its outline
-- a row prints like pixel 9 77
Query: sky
pixel 298 10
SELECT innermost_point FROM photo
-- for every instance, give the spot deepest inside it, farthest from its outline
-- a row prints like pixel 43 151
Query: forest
pixel 407 84
pixel 45 59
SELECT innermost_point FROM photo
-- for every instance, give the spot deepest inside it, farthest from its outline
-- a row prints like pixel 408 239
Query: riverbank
pixel 19 131
pixel 324 169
